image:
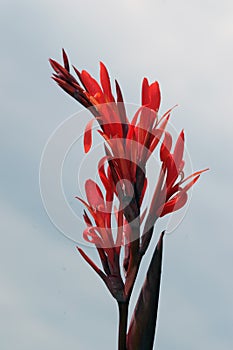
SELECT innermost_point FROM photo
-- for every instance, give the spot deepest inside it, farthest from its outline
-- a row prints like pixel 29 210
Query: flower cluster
pixel 128 147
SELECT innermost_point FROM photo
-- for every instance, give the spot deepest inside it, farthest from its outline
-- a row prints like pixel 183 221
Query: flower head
pixel 128 146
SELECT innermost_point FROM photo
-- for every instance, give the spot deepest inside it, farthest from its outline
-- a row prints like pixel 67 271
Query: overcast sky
pixel 49 297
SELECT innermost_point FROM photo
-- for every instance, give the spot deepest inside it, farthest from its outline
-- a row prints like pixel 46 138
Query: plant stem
pixel 123 316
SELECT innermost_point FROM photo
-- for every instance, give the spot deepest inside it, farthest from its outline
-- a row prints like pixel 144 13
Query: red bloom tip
pixel 155 96
pixel 151 95
pixel 145 92
pixel 105 82
pixel 65 60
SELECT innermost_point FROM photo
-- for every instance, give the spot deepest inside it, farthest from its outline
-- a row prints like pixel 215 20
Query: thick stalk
pixel 123 317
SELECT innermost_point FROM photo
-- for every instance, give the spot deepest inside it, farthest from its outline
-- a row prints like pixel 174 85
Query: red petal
pixel 179 150
pixel 194 174
pixel 133 123
pixel 93 214
pixel 147 119
pixel 118 91
pixel 165 115
pixel 65 60
pixel 174 204
pixel 55 65
pixel 145 92
pixel 190 184
pixel 87 219
pixel 90 83
pixel 166 146
pixel 105 82
pixel 155 96
pixel 65 86
pixel 91 263
pixel 94 195
pixel 159 196
pixel 157 134
pixel 79 76
pixel 88 136
pixel 62 72
pixel 102 174
pixel 172 171
pixel 121 109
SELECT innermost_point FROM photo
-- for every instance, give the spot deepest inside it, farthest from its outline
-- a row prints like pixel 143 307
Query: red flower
pixel 110 112
pixel 128 146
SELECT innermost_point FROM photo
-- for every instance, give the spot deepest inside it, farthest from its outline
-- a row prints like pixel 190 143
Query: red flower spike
pixel 128 146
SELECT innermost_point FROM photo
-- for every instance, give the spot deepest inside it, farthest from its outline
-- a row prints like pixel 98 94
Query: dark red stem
pixel 123 316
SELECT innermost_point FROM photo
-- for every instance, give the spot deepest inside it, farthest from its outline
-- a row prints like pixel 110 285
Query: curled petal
pixel 90 235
